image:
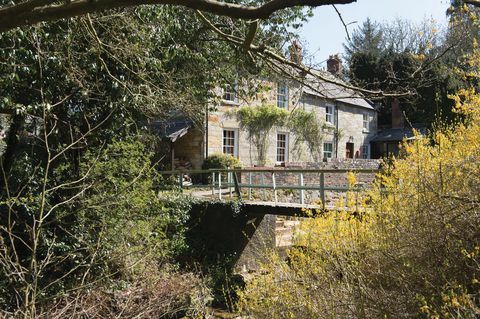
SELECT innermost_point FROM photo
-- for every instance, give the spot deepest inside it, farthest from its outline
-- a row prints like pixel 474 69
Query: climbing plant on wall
pixel 308 130
pixel 258 122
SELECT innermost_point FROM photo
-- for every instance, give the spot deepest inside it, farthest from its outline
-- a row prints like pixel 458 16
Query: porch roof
pixel 172 129
pixel 398 134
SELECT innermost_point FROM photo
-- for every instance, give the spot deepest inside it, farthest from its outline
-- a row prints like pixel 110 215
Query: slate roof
pixel 334 91
pixel 398 134
pixel 173 129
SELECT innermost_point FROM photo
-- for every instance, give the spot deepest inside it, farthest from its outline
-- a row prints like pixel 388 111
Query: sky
pixel 324 33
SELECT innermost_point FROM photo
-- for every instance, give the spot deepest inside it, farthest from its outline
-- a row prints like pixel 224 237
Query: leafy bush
pixel 136 226
pixel 112 231
pixel 221 161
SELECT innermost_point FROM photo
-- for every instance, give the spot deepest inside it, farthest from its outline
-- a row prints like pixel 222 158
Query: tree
pixel 417 58
pixel 307 129
pixel 368 39
pixel 412 251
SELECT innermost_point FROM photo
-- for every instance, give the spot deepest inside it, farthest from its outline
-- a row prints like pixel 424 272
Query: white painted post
pixel 213 184
pixel 249 188
pixel 263 183
pixel 219 185
pixel 302 191
pixel 274 188
pixel 322 189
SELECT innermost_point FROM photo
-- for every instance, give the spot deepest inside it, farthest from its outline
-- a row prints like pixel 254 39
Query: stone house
pixel 349 121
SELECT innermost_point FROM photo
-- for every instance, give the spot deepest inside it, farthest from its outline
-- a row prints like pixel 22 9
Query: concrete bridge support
pixel 222 232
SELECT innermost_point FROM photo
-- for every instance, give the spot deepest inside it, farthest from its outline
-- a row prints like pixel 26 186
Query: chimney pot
pixel 398 120
pixel 334 65
pixel 296 52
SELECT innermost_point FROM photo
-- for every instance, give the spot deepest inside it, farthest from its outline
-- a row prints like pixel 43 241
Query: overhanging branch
pixel 35 11
pixel 269 54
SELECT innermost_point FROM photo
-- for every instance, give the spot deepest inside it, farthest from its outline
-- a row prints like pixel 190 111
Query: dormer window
pixel 282 95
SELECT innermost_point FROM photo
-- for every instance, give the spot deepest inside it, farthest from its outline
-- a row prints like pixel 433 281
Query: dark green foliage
pixel 221 161
pixel 79 207
pixel 116 228
pixel 400 58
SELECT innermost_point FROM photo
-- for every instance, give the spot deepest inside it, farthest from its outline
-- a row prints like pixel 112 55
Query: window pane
pixel 365 121
pixel 327 150
pixel 229 142
pixel 229 93
pixel 364 151
pixel 282 147
pixel 329 114
pixel 282 95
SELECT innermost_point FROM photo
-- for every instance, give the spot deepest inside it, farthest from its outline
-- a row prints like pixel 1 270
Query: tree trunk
pixel 7 158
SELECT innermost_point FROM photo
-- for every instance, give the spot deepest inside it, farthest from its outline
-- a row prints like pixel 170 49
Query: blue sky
pixel 324 33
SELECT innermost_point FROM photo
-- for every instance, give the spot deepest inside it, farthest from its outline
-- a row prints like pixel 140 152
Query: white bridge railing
pixel 227 182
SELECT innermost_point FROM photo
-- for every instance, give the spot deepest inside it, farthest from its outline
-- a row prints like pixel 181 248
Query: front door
pixel 349 150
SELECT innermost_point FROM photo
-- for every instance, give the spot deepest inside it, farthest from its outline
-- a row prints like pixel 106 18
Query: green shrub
pixel 221 161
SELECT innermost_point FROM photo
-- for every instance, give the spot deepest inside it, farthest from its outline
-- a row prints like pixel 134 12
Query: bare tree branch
pixel 252 30
pixel 268 53
pixel 343 22
pixel 35 11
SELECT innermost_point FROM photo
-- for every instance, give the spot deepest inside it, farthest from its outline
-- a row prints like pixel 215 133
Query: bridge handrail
pixel 268 170
pixel 233 180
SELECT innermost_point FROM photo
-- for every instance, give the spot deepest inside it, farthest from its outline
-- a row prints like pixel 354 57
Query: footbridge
pixel 243 213
pixel 276 191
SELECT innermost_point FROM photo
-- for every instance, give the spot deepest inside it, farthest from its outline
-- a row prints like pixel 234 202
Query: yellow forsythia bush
pixel 414 252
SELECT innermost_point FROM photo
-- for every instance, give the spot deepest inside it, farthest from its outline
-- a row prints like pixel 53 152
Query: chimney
pixel 334 65
pixel 296 52
pixel 398 120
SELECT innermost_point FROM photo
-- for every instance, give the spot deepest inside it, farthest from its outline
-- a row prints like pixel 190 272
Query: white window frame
pixel 282 95
pixel 330 117
pixel 235 141
pixel 285 148
pixel 366 122
pixel 229 93
pixel 365 151
pixel 325 152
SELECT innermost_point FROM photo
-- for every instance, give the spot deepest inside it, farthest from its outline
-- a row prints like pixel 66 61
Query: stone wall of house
pixel 349 118
pixel 350 121
pixel 246 152
pixel 350 124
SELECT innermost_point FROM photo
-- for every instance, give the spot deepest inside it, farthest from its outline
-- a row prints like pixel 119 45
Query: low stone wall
pixel 338 163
